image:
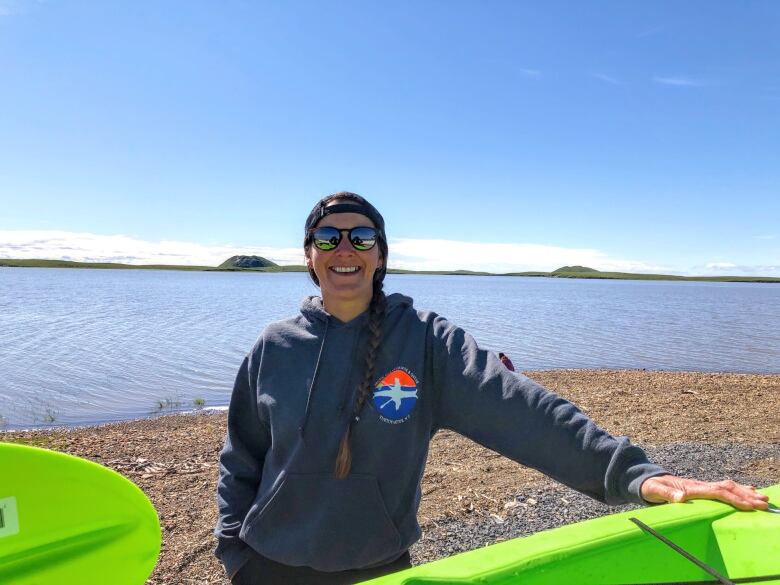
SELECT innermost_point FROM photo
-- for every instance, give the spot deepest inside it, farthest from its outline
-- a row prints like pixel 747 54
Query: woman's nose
pixel 344 245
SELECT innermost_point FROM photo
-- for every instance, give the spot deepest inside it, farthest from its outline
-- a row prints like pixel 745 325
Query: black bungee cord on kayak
pixel 678 549
pixel 702 565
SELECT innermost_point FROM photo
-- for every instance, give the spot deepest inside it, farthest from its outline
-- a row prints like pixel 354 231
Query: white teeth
pixel 345 268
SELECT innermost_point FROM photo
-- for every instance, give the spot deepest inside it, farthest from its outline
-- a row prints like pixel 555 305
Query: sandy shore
pixel 710 425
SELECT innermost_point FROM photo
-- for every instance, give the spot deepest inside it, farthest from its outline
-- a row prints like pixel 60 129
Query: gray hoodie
pixel 291 404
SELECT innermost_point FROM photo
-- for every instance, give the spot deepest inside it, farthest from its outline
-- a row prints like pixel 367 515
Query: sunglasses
pixel 328 238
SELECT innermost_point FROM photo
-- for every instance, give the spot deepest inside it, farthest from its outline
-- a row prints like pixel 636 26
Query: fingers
pixel 673 489
pixel 740 496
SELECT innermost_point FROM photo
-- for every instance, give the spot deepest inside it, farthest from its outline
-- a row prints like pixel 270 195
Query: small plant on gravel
pixel 50 415
pixel 168 403
pixel 199 402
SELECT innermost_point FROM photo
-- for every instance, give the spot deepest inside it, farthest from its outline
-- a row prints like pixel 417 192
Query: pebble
pixel 553 505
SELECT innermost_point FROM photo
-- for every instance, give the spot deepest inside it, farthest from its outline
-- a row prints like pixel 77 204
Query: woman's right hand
pixel 673 489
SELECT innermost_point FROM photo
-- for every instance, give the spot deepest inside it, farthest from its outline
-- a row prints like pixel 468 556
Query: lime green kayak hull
pixel 66 520
pixel 612 550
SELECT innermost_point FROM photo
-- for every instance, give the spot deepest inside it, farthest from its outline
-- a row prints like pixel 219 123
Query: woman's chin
pixel 346 292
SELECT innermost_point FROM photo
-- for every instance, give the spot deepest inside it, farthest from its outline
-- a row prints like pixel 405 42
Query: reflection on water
pixel 85 346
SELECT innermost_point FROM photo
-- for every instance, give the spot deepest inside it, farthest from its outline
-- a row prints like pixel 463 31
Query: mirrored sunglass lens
pixel 327 238
pixel 363 238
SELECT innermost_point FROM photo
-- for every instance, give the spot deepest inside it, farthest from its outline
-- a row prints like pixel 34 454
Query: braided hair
pixel 375 319
pixel 376 315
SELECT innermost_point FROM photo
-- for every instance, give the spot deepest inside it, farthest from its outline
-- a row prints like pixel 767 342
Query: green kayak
pixel 66 520
pixel 722 544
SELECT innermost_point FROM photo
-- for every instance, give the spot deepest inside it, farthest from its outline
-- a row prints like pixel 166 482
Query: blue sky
pixel 491 135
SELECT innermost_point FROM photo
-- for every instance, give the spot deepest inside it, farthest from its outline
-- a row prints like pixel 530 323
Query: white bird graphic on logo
pixel 396 394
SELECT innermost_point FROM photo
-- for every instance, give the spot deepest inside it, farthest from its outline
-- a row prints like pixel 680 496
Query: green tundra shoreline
pixel 560 273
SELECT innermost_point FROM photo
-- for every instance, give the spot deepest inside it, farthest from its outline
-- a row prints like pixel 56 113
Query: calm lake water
pixel 88 346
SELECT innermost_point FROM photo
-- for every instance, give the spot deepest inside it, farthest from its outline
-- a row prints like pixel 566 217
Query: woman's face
pixel 338 286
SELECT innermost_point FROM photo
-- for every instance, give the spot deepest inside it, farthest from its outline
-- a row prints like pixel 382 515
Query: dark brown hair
pixel 376 315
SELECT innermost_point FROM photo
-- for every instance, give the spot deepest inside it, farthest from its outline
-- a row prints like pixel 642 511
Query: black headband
pixel 347 206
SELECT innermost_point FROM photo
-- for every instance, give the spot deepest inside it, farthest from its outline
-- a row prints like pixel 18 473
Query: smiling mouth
pixel 345 269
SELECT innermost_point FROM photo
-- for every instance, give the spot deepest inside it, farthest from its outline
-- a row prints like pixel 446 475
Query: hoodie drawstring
pixel 302 428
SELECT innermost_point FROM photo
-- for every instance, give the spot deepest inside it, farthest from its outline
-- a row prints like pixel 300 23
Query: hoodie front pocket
pixel 328 524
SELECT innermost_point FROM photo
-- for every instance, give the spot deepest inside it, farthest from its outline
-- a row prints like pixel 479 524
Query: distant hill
pixel 574 269
pixel 260 264
pixel 247 262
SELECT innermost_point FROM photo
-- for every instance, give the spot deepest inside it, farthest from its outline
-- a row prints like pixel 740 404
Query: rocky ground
pixel 704 425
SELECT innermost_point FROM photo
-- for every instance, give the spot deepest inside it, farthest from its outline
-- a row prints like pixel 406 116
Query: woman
pixel 333 409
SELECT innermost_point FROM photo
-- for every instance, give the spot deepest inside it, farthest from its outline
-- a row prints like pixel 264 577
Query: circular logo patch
pixel 395 395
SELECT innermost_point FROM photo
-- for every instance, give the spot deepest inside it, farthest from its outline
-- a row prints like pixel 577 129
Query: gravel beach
pixel 705 425
pixel 549 504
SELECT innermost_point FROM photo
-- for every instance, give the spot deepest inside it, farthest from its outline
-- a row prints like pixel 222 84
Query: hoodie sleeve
pixel 240 466
pixel 511 414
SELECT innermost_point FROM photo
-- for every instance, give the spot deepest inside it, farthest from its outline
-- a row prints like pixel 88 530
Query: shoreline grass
pixel 585 273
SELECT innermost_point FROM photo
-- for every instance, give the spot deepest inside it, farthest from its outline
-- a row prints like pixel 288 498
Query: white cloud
pixel 768 237
pixel 14 7
pixel 409 254
pixel 607 78
pixel 651 32
pixel 721 268
pixel 85 247
pixel 530 72
pixel 416 254
pixel 681 81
